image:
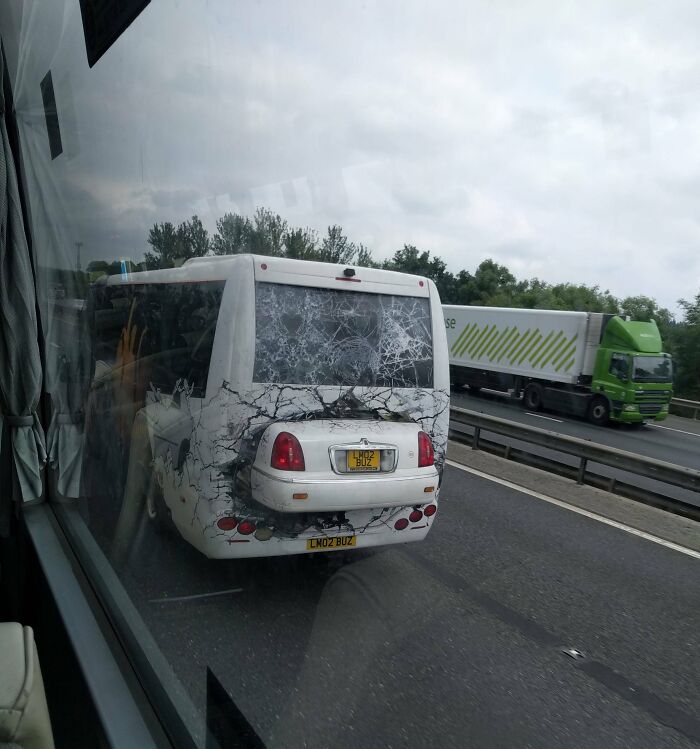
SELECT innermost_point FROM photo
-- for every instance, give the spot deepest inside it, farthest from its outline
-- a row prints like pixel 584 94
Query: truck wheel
pixel 599 411
pixel 532 398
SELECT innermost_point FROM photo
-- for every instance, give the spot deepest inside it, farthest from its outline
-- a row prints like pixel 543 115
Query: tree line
pixel 490 284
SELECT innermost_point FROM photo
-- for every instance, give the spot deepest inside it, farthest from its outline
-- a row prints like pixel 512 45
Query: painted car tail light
pixel 287 454
pixel 426 454
pixel 245 527
pixel 227 523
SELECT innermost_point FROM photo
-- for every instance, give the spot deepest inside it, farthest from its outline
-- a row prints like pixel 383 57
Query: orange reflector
pixel 429 489
pixel 300 495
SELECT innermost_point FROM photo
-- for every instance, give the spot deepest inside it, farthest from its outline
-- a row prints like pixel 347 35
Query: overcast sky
pixel 561 139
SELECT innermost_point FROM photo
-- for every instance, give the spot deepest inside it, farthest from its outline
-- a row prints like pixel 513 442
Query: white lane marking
pixel 549 418
pixel 671 429
pixel 175 599
pixel 578 510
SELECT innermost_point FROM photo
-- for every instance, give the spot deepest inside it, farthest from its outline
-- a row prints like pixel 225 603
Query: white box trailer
pixel 583 363
pixel 551 345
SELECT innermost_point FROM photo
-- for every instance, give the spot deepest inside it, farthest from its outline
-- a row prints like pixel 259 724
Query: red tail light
pixel 430 510
pixel 287 454
pixel 426 454
pixel 245 527
pixel 401 524
pixel 227 523
pixel 415 516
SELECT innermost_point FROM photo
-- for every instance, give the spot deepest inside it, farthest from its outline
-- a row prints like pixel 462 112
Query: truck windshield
pixel 652 369
pixel 314 336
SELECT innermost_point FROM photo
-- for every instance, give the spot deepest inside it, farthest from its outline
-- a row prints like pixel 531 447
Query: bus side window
pixel 187 325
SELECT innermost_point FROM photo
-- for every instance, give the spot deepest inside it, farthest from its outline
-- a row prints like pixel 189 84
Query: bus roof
pixel 277 270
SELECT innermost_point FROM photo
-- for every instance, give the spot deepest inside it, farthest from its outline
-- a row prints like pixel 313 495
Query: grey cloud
pixel 538 136
pixel 179 200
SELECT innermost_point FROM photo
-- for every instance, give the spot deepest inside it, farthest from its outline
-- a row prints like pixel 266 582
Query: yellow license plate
pixel 331 542
pixel 363 460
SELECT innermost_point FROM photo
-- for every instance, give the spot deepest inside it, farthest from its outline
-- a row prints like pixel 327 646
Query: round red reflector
pixel 227 524
pixel 401 524
pixel 420 283
pixel 430 510
pixel 415 516
pixel 263 266
pixel 245 528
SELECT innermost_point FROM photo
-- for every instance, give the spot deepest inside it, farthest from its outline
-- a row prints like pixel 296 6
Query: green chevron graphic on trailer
pixel 541 358
pixel 513 345
pixel 478 340
pixel 537 351
pixel 492 344
pixel 496 343
pixel 468 339
pixel 461 337
pixel 527 341
pixel 493 332
pixel 504 346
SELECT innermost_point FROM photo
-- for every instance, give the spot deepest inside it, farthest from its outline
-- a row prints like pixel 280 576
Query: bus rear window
pixel 313 336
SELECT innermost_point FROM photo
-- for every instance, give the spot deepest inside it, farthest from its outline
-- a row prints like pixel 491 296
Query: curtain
pixel 67 380
pixel 20 362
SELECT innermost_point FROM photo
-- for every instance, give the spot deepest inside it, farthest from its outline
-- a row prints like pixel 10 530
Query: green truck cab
pixel 632 376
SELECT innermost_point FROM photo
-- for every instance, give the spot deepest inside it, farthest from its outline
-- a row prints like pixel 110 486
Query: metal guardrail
pixel 682 403
pixel 585 451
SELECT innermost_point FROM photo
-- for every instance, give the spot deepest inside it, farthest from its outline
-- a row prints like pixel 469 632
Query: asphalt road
pixel 455 641
pixel 676 440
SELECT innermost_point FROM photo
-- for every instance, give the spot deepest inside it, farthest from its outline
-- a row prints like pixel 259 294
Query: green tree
pixel 171 246
pixel 301 244
pixel 268 233
pixel 364 258
pixel 491 285
pixel 97 266
pixel 233 233
pixel 645 308
pixel 336 247
pixel 265 234
pixel 410 260
pixel 582 298
pixel 687 353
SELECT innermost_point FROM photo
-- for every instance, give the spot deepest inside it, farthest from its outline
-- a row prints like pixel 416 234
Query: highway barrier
pixel 683 405
pixel 584 451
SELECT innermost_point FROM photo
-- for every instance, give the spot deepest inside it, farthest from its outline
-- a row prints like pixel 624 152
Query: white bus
pixel 273 406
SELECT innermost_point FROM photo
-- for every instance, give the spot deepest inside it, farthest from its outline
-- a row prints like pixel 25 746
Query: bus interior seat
pixel 24 715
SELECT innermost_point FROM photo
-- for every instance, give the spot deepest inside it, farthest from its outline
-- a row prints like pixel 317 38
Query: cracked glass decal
pixel 204 468
pixel 203 456
pixel 330 337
